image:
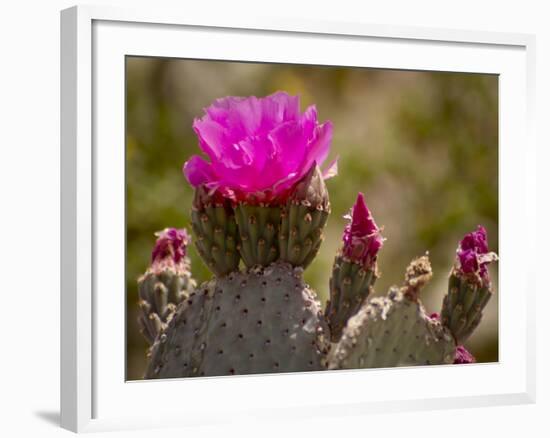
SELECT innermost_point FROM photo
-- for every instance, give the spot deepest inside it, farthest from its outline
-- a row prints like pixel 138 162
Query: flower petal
pixel 319 146
pixel 241 117
pixel 278 108
pixel 290 147
pixel 211 136
pixel 332 169
pixel 309 122
pixel 198 171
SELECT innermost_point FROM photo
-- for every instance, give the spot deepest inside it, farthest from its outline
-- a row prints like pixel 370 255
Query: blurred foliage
pixel 422 146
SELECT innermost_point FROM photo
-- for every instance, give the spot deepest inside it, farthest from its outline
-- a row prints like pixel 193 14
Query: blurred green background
pixel 422 146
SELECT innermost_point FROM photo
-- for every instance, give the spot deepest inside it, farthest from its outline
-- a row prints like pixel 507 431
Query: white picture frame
pixel 94 395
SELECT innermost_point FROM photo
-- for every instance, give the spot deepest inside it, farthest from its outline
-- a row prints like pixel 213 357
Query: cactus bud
pixel 258 229
pixel 303 219
pixel 166 282
pixel 354 271
pixel 362 238
pixel 170 249
pixel 418 274
pixel 463 356
pixel 217 238
pixel 469 285
pixel 473 255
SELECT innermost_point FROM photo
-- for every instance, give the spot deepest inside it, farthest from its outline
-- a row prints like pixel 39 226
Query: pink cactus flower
pixel 473 253
pixel 257 148
pixel 171 246
pixel 463 356
pixel 362 238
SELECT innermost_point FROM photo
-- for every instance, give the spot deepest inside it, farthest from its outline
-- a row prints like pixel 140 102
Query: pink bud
pixel 171 245
pixel 473 253
pixel 463 356
pixel 362 238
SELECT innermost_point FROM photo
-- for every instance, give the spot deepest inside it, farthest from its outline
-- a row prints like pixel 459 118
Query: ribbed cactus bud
pixel 469 286
pixel 258 230
pixel 395 330
pixel 263 321
pixel 354 271
pixel 165 284
pixel 217 237
pixel 304 218
pixel 463 356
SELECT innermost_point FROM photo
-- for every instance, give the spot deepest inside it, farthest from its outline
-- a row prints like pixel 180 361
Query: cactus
pixel 262 200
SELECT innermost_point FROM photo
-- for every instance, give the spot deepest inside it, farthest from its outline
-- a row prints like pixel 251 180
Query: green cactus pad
pixel 463 305
pixel 263 321
pixel 216 234
pixel 258 228
pixel 160 293
pixel 350 284
pixel 303 220
pixel 395 330
pixel 392 331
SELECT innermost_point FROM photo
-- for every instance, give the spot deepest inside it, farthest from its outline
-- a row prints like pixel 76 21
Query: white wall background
pixel 29 214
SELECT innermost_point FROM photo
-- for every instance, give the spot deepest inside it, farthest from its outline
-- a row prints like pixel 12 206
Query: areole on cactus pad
pixel 260 208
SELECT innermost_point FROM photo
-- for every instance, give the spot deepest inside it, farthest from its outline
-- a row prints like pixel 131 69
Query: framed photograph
pixel 265 218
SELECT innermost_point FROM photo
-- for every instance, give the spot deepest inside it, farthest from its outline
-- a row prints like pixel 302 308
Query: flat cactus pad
pixel 263 321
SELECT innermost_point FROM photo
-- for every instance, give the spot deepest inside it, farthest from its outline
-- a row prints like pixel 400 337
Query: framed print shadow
pixel 285 208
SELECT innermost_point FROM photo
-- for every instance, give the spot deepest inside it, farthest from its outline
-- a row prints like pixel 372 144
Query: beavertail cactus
pixel 260 208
